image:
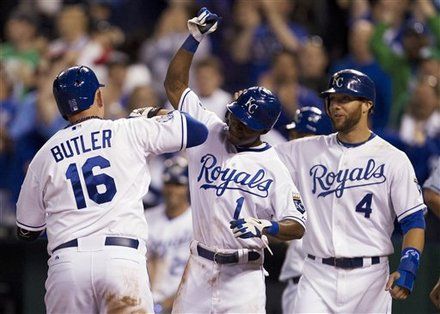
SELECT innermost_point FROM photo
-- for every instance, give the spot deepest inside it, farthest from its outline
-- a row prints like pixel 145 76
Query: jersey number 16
pixel 92 181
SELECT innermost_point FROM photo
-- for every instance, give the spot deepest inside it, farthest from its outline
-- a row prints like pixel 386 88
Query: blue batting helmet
pixel 74 90
pixel 176 171
pixel 257 108
pixel 351 82
pixel 310 120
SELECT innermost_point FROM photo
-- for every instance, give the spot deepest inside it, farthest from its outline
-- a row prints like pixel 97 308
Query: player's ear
pixel 366 106
pixel 98 98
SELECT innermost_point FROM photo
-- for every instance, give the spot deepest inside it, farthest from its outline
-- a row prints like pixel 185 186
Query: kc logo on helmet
pixel 251 105
pixel 338 81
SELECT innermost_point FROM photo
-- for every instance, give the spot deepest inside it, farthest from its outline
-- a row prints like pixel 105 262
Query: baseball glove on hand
pixel 249 227
pixel 203 24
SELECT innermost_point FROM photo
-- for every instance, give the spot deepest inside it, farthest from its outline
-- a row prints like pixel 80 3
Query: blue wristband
pixel 274 229
pixel 191 44
pixel 409 264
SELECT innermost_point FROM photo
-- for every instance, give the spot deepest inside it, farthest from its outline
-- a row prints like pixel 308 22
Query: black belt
pixel 225 258
pixel 118 241
pixel 346 262
pixel 294 280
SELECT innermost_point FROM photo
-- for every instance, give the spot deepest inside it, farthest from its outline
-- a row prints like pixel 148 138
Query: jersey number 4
pixel 364 205
pixel 92 181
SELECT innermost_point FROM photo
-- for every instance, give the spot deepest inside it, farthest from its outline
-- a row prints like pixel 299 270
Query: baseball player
pixel 309 121
pixel 354 184
pixel 237 182
pixel 170 234
pixel 431 194
pixel 85 188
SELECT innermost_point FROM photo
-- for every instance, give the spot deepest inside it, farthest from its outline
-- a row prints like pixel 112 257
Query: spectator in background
pixel 258 42
pixel 169 34
pixel 398 10
pixel 402 67
pixel 361 58
pixel 142 96
pixel 72 27
pixel 422 117
pixel 313 61
pixel 8 107
pixel 278 33
pixel 19 54
pixel 238 36
pixel 282 79
pixel 122 79
pixel 209 79
pixel 117 72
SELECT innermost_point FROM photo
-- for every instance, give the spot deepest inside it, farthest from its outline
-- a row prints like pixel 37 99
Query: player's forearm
pixel 289 230
pixel 281 30
pixel 177 78
pixel 432 199
pixel 414 238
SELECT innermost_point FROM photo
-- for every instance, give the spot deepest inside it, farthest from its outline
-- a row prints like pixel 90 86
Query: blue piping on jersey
pixel 31 226
pixel 252 149
pixel 411 209
pixel 348 145
pixel 183 100
pixel 415 220
pixel 196 132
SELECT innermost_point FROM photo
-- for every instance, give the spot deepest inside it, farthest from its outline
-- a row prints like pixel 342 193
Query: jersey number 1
pixel 92 181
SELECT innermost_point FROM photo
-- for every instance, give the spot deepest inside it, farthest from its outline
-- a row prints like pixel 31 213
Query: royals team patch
pixel 298 203
pixel 165 118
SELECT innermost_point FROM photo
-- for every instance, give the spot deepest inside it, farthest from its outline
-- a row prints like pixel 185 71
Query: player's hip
pixel 230 257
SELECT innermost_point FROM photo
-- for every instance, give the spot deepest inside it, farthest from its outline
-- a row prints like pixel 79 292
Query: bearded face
pixel 346 112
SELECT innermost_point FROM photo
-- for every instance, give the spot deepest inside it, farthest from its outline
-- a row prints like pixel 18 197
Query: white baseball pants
pixel 328 289
pixel 93 278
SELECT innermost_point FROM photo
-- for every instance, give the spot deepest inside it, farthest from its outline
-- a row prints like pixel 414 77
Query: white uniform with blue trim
pixel 353 195
pixel 168 244
pixel 87 183
pixel 224 181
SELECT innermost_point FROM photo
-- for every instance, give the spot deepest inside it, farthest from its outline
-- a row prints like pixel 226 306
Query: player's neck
pixel 79 120
pixel 173 212
pixel 354 136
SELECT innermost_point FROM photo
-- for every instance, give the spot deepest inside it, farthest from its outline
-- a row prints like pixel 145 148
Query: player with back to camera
pixel 85 187
pixel 170 234
pixel 237 182
pixel 309 121
pixel 354 184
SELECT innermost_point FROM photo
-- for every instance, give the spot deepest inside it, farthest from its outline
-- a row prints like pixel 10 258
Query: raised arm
pixel 176 80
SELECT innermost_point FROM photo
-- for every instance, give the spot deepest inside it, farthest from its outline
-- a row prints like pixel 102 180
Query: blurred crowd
pixel 289 46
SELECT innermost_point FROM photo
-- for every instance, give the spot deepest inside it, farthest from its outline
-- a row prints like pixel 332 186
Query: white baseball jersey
pixel 227 183
pixel 168 243
pixel 353 194
pixel 294 261
pixel 433 182
pixel 89 178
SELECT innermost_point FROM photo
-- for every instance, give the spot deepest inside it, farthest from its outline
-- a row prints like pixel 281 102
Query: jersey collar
pixel 349 145
pixel 262 147
pixel 82 120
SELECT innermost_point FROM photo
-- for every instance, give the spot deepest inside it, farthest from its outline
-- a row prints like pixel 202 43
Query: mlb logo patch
pixel 73 105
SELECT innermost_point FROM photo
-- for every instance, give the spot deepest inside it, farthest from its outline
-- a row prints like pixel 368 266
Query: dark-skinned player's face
pixel 239 134
pixel 345 111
